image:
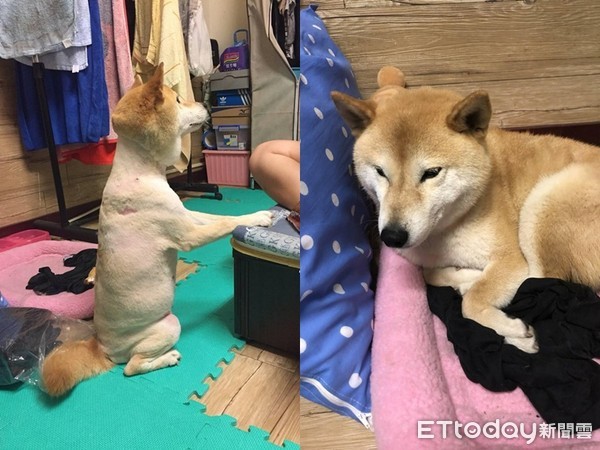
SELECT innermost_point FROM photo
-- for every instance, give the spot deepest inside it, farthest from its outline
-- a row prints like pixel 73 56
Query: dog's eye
pixel 178 99
pixel 380 172
pixel 430 173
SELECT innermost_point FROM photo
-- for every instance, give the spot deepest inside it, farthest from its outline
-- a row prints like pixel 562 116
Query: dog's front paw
pixel 260 219
pixel 516 328
pixel 172 358
pixel 522 337
pixel 526 344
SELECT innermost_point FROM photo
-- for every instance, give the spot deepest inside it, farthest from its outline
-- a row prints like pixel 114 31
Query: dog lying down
pixel 142 226
pixel 479 208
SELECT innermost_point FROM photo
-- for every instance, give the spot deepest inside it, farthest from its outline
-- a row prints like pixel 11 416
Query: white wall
pixel 223 17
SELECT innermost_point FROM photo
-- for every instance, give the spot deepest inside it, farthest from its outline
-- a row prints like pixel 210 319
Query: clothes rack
pixel 64 228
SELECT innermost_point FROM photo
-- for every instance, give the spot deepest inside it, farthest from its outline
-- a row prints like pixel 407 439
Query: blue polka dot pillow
pixel 336 308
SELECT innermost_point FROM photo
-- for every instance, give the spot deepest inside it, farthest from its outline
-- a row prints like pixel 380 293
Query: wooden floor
pixel 322 429
pixel 259 388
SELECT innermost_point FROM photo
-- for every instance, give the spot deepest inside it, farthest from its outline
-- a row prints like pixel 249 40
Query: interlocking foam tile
pixel 211 436
pixel 205 310
pixel 151 411
pixel 235 202
pixel 102 414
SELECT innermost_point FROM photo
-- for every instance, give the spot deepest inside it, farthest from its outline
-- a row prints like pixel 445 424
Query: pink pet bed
pixel 417 377
pixel 19 264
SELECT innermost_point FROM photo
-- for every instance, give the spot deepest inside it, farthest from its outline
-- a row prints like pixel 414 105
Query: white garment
pixel 73 58
pixel 30 28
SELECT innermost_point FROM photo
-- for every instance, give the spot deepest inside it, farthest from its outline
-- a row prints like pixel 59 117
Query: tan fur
pixel 142 226
pixel 71 363
pixel 502 206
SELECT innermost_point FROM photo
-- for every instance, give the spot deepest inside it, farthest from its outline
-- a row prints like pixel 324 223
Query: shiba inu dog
pixel 142 226
pixel 479 208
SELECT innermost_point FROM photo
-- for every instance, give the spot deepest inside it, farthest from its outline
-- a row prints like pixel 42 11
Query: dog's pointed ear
pixel 137 81
pixel 358 114
pixel 390 76
pixel 472 114
pixel 154 85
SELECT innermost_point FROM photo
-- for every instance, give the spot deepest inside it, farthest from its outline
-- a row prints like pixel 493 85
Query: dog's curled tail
pixel 71 363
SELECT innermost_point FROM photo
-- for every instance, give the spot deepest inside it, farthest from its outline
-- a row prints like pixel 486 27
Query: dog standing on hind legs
pixel 479 208
pixel 142 225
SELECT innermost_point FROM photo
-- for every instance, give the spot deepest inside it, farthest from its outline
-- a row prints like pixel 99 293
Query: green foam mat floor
pixel 152 411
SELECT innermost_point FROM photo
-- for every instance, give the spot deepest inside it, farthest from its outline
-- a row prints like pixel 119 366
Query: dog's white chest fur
pixel 469 246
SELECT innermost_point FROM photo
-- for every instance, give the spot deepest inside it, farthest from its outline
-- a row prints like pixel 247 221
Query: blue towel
pixel 78 102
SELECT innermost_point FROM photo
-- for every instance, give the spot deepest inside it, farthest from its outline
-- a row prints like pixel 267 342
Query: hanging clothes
pixel 159 39
pixel 35 28
pixel 73 58
pixel 287 12
pixel 119 78
pixel 78 102
pixel 197 38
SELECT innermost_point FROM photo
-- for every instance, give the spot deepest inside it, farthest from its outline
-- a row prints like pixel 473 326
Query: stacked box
pixel 229 167
pixel 230 89
pixel 232 128
pixel 231 100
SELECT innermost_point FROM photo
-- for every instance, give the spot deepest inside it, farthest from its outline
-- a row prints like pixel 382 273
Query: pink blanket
pixel 417 377
pixel 19 264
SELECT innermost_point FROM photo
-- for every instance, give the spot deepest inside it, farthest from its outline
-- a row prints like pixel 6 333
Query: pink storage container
pixel 227 167
pixel 22 238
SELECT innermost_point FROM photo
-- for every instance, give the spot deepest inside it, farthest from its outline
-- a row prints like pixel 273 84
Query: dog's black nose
pixel 394 237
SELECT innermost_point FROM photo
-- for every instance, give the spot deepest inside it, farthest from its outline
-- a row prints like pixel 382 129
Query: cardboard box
pixel 237 97
pixel 231 116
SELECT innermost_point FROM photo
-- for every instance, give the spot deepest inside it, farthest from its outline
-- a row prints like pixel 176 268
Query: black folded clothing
pixel 562 380
pixel 47 282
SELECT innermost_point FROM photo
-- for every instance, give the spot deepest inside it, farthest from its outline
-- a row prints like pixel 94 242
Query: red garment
pixel 100 153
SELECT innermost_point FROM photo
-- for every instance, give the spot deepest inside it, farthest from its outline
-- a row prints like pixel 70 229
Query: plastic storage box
pixel 23 238
pixel 227 167
pixel 232 137
pixel 232 128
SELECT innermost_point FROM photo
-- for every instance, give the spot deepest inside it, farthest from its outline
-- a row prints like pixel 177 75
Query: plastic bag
pixel 27 335
pixel 199 47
